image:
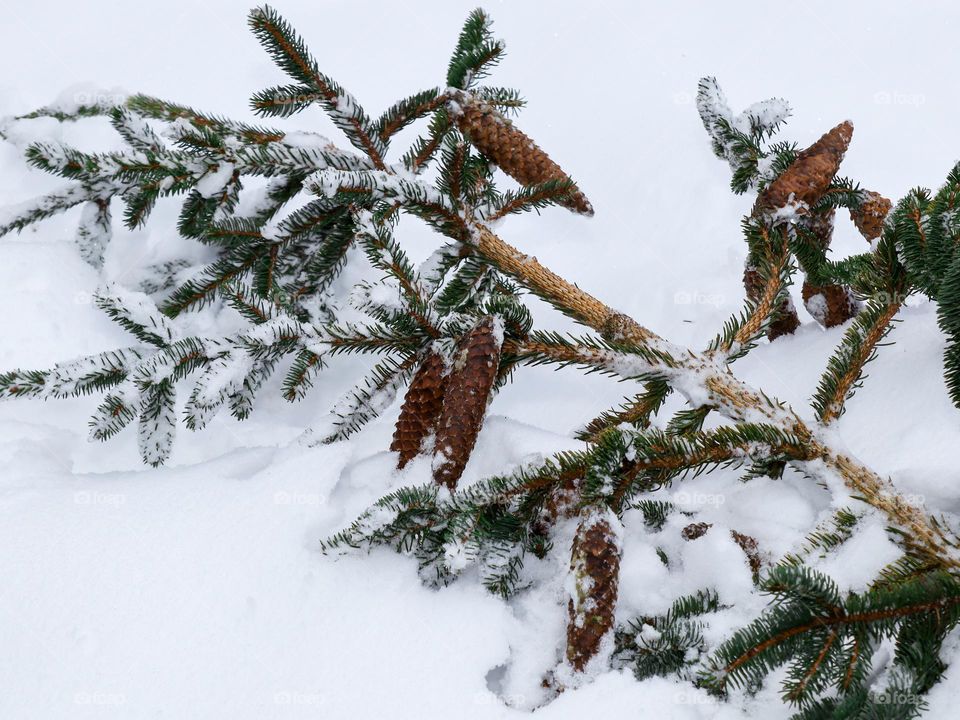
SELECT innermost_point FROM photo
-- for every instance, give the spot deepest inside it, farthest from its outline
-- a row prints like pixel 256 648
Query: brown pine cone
pixel 785 321
pixel 561 502
pixel 421 408
pixel 811 173
pixel 465 402
pixel 695 530
pixel 820 227
pixel 513 151
pixel 869 217
pixel 595 567
pixel 830 305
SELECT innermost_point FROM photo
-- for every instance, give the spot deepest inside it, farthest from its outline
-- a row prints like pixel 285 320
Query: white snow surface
pixel 198 590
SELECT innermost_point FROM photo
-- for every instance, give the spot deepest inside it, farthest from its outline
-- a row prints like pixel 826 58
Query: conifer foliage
pixel 286 211
pixel 279 256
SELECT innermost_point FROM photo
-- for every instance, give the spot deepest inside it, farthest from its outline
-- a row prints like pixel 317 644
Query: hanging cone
pixel 801 186
pixel 421 408
pixel 562 502
pixel 513 151
pixel 595 572
pixel 820 227
pixel 785 321
pixel 465 402
pixel 869 217
pixel 830 305
pixel 811 173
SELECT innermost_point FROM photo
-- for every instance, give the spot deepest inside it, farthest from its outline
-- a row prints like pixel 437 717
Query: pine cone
pixel 465 401
pixel 695 530
pixel 869 217
pixel 595 567
pixel 820 227
pixel 811 173
pixel 830 305
pixel 513 151
pixel 421 408
pixel 785 321
pixel 562 502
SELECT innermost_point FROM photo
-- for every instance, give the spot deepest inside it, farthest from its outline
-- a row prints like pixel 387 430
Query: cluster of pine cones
pixel 445 404
pixel 803 185
pixel 448 403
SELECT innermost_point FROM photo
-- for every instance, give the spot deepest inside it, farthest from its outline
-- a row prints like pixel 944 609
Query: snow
pixel 198 589
pixel 216 180
pixel 856 563
pixel 313 141
pixel 764 114
pixel 140 310
pixel 86 95
pixel 817 307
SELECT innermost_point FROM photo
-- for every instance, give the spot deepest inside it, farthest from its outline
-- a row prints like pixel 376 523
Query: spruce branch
pixel 476 52
pixel 845 368
pixel 766 298
pixel 740 139
pixel 458 326
pixel 705 382
pixel 370 397
pixel 157 109
pixel 636 411
pixel 827 639
pixel 408 110
pixel 828 535
pixel 289 51
pixel 668 644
